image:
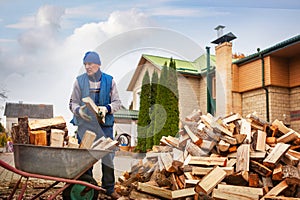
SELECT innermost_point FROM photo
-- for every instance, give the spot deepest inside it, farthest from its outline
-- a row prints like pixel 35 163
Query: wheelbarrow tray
pixel 55 161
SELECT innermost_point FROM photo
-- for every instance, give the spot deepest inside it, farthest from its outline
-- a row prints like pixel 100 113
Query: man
pixel 102 89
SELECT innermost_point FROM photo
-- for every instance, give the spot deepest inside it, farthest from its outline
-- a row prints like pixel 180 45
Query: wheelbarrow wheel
pixel 76 191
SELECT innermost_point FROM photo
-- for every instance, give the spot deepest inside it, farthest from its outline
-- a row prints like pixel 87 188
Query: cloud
pixel 44 66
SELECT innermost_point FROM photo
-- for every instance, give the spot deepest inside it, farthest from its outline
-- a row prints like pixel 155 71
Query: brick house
pixel 265 82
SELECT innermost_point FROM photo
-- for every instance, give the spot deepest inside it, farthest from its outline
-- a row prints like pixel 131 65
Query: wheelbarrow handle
pixel 70 181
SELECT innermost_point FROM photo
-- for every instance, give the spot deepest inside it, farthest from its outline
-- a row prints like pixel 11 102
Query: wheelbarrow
pixel 58 164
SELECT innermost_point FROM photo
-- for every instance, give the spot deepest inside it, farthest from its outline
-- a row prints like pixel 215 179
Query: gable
pixel 38 111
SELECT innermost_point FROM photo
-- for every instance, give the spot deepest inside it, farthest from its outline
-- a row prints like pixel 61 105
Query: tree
pixel 173 109
pixel 160 110
pixel 144 118
pixel 150 131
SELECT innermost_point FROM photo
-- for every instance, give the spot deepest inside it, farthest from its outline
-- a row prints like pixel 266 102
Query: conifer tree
pixel 173 109
pixel 150 131
pixel 144 118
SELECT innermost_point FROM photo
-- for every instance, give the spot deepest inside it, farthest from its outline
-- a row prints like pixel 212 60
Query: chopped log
pixel 277 189
pixel 208 161
pixel 181 181
pixel 57 138
pixel 160 148
pixel 163 141
pixel 38 137
pixel 220 128
pixel 21 133
pixel 15 133
pixel 223 146
pixel 253 154
pixel 271 140
pixel 236 192
pixel 253 180
pixel 205 170
pixel 231 118
pixel 73 142
pixel 246 129
pixel 173 141
pixel 174 185
pixel 207 145
pixel 183 140
pixel 288 137
pixel 291 174
pixel 270 197
pixel 209 182
pixel 194 138
pixel 177 158
pixel 47 124
pixel 195 150
pixel 274 157
pixel 260 169
pixel 261 141
pixel 281 127
pixel 167 160
pixel 141 196
pixel 277 173
pixel 243 158
pixel 289 159
pixel 158 191
pixel 183 193
pixel 213 135
pixel 87 140
pixel 92 107
pixel 231 162
pixel 232 149
pixel 267 183
pixel 240 138
pixel 236 179
pixel 228 139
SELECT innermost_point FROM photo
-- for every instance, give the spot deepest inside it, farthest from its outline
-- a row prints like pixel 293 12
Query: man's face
pixel 91 68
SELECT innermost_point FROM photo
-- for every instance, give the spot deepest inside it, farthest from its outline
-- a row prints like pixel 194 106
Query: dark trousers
pixel 108 173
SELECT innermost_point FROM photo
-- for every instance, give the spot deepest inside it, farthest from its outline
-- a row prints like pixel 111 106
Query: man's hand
pixel 83 115
pixel 102 110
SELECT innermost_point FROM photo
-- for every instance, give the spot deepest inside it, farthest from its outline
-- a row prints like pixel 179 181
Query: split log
pixel 38 137
pixel 208 161
pixel 261 141
pixel 167 160
pixel 22 135
pixel 87 140
pixel 253 180
pixel 240 138
pixel 195 150
pixel 73 142
pixel 194 138
pixel 57 138
pixel 260 169
pixel 200 171
pixel 288 137
pixel 177 158
pixel 281 127
pixel 243 158
pixel 277 189
pixel 158 191
pixel 209 182
pixel 231 118
pixel 183 193
pixel 236 192
pixel 277 173
pixel 274 157
pixel 291 174
pixel 47 124
pixel 223 146
pixel 246 129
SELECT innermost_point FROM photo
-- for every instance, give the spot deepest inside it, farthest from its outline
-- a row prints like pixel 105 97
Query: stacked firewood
pixel 219 158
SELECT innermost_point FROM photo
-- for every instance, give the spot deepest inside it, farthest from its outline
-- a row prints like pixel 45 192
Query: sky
pixel 42 42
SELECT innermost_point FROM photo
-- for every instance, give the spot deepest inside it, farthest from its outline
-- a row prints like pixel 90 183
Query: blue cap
pixel 91 57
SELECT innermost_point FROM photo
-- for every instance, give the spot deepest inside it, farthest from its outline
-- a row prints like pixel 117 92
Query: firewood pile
pixel 53 132
pixel 219 158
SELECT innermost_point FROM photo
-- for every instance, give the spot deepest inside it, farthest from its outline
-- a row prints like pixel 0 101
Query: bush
pixel 3 139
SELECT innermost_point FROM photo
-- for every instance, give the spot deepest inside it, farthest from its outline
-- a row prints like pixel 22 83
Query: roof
pixel 183 66
pixel 294 41
pixel 126 114
pixel 194 68
pixel 38 111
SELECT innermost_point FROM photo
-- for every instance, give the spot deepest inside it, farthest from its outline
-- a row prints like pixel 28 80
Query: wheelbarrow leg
pixel 58 191
pixel 23 189
pixel 45 190
pixel 15 188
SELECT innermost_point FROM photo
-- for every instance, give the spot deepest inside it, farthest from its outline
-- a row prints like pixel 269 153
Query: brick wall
pixel 254 101
pixel 295 107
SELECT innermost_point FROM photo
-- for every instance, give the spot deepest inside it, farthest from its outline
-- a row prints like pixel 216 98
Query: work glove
pixel 102 110
pixel 83 115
